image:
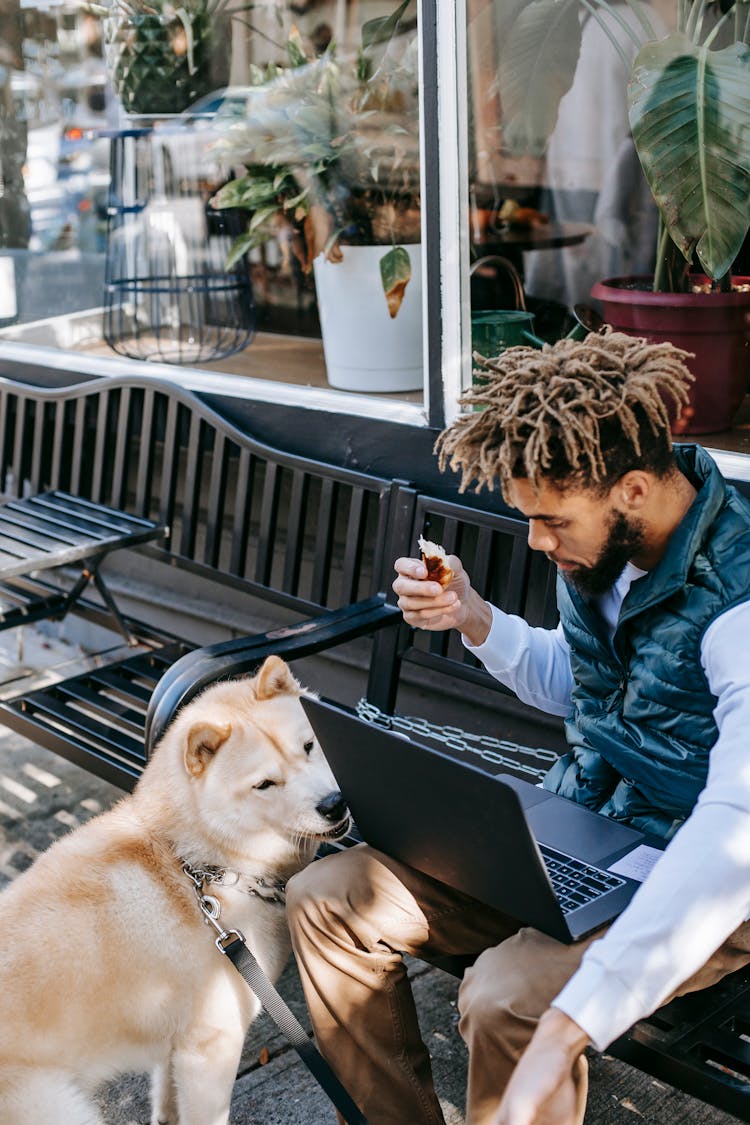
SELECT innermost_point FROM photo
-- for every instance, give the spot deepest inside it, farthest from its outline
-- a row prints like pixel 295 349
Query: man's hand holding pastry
pixel 437 605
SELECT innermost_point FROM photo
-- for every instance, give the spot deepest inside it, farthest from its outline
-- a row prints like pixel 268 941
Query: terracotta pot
pixel 715 327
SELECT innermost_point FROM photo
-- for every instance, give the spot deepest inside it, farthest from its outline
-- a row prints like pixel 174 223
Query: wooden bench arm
pixel 195 671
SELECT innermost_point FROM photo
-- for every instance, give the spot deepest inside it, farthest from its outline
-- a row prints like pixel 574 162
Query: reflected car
pixel 67 197
pixel 85 115
pixel 184 156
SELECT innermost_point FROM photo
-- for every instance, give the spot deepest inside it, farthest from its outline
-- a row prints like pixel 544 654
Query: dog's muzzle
pixel 338 831
pixel 334 808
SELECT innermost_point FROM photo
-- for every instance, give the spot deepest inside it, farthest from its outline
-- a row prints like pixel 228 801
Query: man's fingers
pixel 445 601
pixel 415 590
pixel 411 568
pixel 425 618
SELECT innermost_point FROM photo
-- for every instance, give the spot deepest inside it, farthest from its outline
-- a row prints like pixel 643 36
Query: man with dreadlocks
pixel 650 668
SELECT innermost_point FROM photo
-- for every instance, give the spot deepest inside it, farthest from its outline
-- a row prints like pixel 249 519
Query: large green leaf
pixel 537 63
pixel 383 28
pixel 690 115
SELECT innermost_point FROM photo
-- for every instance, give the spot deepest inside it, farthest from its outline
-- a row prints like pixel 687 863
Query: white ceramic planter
pixel 364 349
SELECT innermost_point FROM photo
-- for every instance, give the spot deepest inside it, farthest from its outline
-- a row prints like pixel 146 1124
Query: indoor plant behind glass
pixel 331 153
pixel 158 52
pixel 689 111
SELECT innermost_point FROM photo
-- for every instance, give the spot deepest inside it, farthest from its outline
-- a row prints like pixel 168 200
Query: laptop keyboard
pixel 576 883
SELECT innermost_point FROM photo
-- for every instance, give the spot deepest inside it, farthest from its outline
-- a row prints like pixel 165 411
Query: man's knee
pixel 518 978
pixel 490 988
pixel 323 885
pixel 314 882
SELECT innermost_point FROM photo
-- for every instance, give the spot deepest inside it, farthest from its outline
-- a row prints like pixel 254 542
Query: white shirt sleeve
pixel 532 662
pixel 699 890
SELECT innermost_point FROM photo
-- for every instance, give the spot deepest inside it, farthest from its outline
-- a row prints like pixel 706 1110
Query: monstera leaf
pixel 541 42
pixel 689 110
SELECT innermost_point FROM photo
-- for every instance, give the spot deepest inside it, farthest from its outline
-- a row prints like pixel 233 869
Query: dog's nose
pixel 333 807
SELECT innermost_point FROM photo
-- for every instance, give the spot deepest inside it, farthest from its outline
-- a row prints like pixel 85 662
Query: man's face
pixel 587 537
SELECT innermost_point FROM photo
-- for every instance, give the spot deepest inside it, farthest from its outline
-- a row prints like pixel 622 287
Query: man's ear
pixel 274 678
pixel 633 489
pixel 203 740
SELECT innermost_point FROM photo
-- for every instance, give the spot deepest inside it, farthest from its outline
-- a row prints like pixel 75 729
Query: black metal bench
pixel 317 541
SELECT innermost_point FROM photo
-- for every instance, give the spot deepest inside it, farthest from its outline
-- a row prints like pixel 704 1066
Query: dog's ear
pixel 274 678
pixel 203 740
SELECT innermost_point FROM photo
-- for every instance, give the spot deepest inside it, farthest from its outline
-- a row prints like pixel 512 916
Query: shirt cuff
pixel 487 651
pixel 601 1004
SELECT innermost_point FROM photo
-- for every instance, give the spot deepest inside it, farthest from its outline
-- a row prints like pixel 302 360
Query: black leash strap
pixel 249 969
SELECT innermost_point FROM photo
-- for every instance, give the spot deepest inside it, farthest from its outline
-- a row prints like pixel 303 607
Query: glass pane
pixel 555 184
pixel 610 174
pixel 556 181
pixel 279 142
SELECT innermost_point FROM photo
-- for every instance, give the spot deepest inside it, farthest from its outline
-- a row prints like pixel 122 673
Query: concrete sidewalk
pixel 42 797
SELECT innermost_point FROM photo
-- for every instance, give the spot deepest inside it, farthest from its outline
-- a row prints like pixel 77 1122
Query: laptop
pixel 538 857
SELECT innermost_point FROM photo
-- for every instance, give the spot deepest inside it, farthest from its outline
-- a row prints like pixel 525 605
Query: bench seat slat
pixel 100 734
pixel 31 529
pixel 21 546
pixel 85 516
pixel 134 689
pixel 119 770
pixel 104 706
pixel 75 527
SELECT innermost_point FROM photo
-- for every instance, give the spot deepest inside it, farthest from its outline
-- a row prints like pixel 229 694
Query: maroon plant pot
pixel 715 327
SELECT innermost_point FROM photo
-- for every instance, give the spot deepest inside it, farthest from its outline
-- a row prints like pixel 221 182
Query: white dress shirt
pixel 699 890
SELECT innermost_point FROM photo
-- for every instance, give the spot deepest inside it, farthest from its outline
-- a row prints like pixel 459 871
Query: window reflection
pixel 556 185
pixel 303 117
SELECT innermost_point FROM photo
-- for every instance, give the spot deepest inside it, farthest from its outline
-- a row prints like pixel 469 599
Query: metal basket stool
pixel 168 294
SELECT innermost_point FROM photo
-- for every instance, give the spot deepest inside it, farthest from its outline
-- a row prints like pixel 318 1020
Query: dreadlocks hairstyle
pixel 578 413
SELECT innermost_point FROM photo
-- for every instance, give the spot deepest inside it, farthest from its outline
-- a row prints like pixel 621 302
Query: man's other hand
pixel 426 605
pixel 543 1090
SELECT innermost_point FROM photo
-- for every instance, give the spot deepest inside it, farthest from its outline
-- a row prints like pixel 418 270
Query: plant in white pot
pixel 331 154
pixel 688 101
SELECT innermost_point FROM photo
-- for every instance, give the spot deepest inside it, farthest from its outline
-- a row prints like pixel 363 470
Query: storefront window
pixel 280 141
pixel 557 196
pixel 609 174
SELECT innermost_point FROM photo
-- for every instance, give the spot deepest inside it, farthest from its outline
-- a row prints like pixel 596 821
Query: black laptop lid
pixel 468 830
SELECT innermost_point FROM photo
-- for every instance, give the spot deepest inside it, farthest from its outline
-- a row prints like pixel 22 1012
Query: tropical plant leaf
pixel 240 246
pixel 248 191
pixel 230 195
pixel 260 218
pixel 382 29
pixel 395 273
pixel 689 111
pixel 537 65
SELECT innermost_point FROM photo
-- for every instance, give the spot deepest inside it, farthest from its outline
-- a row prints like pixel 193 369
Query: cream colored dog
pixel 106 962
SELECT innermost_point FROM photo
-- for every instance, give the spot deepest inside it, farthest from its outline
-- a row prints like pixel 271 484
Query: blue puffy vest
pixel 641 725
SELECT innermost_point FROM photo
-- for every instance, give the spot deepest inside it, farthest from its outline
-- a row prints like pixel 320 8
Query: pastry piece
pixel 434 558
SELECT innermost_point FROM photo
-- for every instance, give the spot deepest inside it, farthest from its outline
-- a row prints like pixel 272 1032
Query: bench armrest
pixel 195 671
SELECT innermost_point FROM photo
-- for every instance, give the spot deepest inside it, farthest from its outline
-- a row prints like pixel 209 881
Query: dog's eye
pixel 309 745
pixel 264 784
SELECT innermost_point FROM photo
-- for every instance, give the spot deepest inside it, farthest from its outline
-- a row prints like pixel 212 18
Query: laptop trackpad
pixel 578 831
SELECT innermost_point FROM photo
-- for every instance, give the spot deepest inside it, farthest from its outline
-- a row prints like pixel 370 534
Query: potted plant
pixel 331 155
pixel 158 53
pixel 689 111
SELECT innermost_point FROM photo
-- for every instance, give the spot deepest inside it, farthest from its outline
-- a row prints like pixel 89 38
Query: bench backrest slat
pixel 146 454
pixel 299 534
pixel 298 505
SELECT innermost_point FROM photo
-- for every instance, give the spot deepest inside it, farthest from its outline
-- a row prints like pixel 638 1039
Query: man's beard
pixel 625 538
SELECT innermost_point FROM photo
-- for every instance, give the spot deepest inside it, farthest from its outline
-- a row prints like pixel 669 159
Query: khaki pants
pixel 353 915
